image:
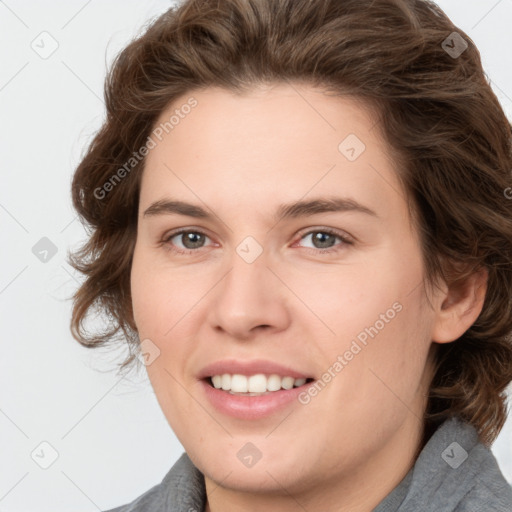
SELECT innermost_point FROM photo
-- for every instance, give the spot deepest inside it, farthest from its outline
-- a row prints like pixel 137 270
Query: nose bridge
pixel 249 295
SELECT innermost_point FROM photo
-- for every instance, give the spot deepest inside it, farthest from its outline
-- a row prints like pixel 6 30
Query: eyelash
pixel 344 238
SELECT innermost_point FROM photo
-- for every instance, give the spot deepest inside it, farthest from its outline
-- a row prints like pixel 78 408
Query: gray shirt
pixel 453 473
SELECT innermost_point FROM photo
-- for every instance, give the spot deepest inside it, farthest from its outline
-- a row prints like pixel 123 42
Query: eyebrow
pixel 293 210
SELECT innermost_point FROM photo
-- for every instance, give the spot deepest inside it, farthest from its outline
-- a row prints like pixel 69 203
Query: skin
pixel 240 157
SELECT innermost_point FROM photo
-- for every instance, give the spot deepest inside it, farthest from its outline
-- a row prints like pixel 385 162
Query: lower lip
pixel 252 407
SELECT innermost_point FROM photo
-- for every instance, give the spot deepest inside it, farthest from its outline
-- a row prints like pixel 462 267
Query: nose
pixel 248 300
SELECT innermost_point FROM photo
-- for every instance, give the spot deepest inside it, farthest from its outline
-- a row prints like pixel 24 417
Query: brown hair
pixel 437 112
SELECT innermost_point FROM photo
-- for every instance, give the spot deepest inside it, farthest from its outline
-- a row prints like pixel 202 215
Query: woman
pixel 300 225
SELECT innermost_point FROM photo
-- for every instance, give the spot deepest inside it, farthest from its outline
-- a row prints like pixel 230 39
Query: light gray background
pixel 112 440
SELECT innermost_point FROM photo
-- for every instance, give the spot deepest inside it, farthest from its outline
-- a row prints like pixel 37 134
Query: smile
pixel 255 385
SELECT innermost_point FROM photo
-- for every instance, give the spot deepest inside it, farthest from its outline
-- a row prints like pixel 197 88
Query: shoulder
pixel 490 490
pixel 454 472
pixel 150 500
pixel 182 489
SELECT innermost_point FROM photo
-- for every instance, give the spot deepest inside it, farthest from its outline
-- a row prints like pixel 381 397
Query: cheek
pixel 161 296
pixel 376 316
pixel 390 369
pixel 346 300
pixel 165 311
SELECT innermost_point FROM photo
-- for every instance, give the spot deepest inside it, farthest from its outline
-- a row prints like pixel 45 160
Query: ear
pixel 458 306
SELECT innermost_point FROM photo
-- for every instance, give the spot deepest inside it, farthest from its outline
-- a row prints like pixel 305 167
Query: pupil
pixel 321 237
pixel 192 240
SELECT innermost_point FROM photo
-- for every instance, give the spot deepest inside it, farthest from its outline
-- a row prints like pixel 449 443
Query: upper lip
pixel 250 367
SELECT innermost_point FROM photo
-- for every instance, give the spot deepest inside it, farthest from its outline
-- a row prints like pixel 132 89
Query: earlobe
pixel 460 307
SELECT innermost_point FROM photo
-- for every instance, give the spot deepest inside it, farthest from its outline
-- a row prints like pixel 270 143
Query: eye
pixel 190 241
pixel 324 240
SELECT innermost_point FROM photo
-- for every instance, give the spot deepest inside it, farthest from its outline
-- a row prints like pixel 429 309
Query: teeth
pixel 239 383
pixel 287 382
pixel 274 383
pixel 255 383
pixel 258 383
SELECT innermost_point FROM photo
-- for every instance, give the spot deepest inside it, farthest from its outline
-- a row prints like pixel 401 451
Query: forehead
pixel 266 146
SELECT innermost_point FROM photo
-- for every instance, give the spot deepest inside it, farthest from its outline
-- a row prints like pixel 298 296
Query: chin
pixel 268 474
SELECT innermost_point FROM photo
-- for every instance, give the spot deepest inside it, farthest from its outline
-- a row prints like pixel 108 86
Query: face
pixel 274 239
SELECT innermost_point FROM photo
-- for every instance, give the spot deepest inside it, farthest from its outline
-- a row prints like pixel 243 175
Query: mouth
pixel 258 384
pixel 253 389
